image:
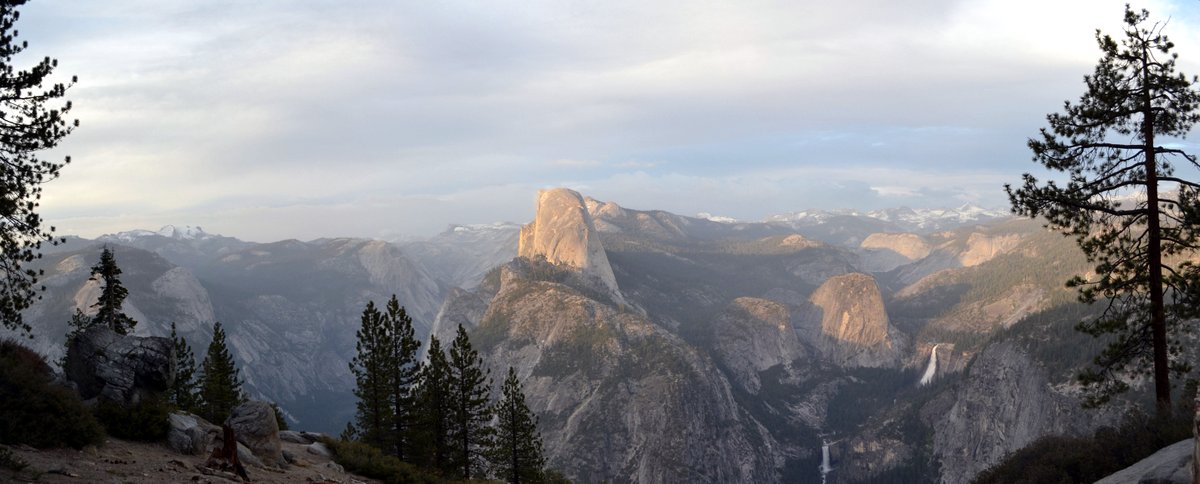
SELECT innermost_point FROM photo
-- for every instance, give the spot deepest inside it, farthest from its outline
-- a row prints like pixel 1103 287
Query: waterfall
pixel 825 467
pixel 931 370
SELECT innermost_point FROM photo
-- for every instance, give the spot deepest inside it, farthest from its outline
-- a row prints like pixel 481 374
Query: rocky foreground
pixel 140 462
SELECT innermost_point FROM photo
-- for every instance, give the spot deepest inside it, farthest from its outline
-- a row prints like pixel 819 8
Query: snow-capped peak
pixel 916 219
pixel 187 232
pixel 716 218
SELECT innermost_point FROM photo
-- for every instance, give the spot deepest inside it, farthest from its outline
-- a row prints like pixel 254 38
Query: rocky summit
pixel 563 233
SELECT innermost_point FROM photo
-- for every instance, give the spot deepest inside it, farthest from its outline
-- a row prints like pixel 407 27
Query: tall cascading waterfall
pixel 931 370
pixel 825 467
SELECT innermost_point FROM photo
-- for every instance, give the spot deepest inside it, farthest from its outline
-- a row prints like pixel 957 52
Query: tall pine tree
pixel 183 390
pixel 220 383
pixel 516 454
pixel 112 295
pixel 372 368
pixel 471 411
pixel 35 120
pixel 405 370
pixel 434 402
pixel 1117 171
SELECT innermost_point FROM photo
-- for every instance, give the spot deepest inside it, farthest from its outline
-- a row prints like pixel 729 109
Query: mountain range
pixel 657 347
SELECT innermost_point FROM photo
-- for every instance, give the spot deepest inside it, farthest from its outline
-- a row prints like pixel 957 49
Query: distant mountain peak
pixel 717 218
pixel 185 232
pixel 912 219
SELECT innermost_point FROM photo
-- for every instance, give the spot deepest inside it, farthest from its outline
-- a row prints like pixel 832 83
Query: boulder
pixel 248 458
pixel 119 368
pixel 192 435
pixel 254 425
pixel 319 449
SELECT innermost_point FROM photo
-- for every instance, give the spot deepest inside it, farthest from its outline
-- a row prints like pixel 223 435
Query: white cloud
pixel 246 116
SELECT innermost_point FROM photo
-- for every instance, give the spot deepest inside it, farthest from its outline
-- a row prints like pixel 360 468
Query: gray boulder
pixel 248 457
pixel 192 435
pixel 319 449
pixel 118 368
pixel 254 425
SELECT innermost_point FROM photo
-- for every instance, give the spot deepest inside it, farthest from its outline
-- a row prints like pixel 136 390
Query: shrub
pixel 146 421
pixel 35 411
pixel 367 461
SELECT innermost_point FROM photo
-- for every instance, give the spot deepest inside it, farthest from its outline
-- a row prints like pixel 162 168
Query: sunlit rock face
pixel 853 327
pixel 562 231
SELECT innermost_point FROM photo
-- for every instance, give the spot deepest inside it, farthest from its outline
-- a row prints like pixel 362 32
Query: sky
pixel 301 119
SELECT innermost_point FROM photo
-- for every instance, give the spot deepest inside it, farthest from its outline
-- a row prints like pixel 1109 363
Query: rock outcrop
pixel 619 398
pixel 254 426
pixel 851 325
pixel 752 335
pixel 1170 465
pixel 562 231
pixel 118 368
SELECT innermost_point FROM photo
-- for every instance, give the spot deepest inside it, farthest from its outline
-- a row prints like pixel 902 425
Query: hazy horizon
pixel 279 120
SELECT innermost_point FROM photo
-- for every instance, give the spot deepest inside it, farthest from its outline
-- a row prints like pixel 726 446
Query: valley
pixel 655 346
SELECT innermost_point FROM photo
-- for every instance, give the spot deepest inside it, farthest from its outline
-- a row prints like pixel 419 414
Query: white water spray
pixel 825 467
pixel 931 370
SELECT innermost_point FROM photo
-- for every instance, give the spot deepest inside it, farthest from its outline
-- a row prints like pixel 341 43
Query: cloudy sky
pixel 300 119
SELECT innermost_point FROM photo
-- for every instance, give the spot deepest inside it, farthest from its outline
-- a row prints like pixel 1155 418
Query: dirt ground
pixel 119 461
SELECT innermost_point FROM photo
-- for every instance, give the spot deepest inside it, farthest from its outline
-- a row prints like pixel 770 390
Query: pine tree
pixel 372 368
pixel 220 383
pixel 78 324
pixel 405 371
pixel 183 390
pixel 33 122
pixel 516 454
pixel 434 401
pixel 470 406
pixel 1109 147
pixel 112 295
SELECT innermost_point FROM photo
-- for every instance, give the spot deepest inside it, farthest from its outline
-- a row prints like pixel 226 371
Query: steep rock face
pixel 563 232
pixel 752 335
pixel 982 247
pixel 911 246
pixel 852 327
pixel 618 397
pixel 882 252
pixel 1005 402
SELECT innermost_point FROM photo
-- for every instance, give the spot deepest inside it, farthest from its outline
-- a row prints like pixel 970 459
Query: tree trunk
pixel 1158 320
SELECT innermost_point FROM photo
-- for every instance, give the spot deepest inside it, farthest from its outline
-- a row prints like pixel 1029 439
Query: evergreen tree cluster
pixel 439 414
